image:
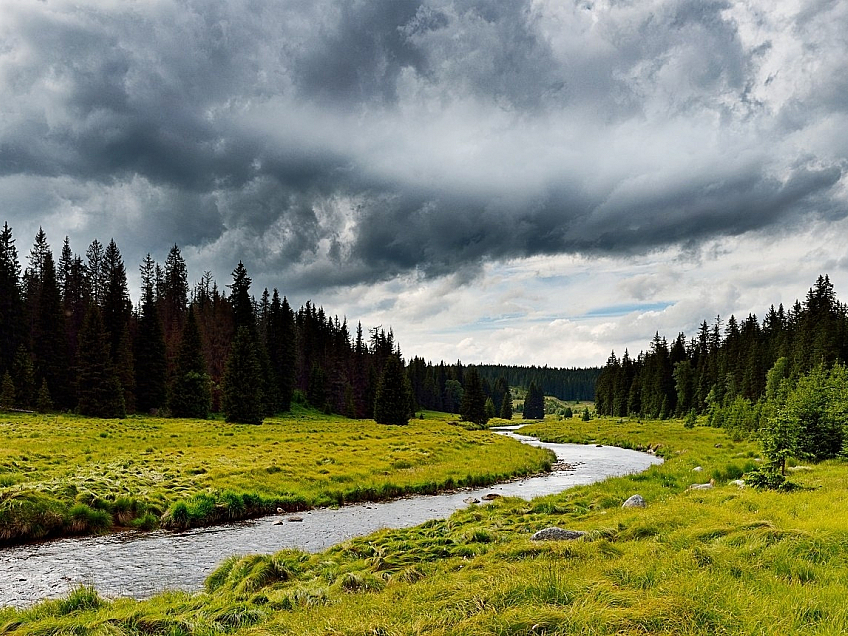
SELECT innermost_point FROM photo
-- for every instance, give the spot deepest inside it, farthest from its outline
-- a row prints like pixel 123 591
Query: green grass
pixel 74 475
pixel 720 561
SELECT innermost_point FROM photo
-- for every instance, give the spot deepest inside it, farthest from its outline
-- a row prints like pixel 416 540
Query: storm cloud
pixel 332 143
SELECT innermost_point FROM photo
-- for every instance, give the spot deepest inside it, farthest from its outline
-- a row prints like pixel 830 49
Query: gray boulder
pixel 557 534
pixel 635 501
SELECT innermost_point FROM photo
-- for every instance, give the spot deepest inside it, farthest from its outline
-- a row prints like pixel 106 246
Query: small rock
pixel 279 511
pixel 707 486
pixel 651 451
pixel 557 534
pixel 292 519
pixel 599 445
pixel 279 523
pixel 491 496
pixel 737 482
pixel 697 469
pixel 634 501
pixel 718 446
pixel 471 500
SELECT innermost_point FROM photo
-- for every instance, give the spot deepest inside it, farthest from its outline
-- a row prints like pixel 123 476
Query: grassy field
pixel 719 561
pixel 66 474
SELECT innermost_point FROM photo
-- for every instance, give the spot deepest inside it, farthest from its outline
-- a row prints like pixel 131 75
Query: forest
pixel 72 340
pixel 726 361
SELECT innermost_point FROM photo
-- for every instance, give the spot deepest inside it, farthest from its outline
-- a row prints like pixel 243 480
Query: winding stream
pixel 140 564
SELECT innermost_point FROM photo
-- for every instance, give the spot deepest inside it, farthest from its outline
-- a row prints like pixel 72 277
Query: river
pixel 140 564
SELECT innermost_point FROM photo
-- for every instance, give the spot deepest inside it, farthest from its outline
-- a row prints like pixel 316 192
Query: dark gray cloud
pixel 333 143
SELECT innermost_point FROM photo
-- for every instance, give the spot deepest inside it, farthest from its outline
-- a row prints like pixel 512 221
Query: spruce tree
pixel 125 369
pixel 490 408
pixel 150 364
pixel 23 375
pixel 393 396
pixel 534 403
pixel 44 403
pixel 473 405
pixel 50 347
pixel 100 392
pixel 7 392
pixel 116 305
pixel 11 299
pixel 190 393
pixel 506 405
pixel 242 400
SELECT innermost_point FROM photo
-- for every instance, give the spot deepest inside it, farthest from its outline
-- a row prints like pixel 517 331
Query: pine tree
pixel 392 401
pixel 100 392
pixel 534 403
pixel 44 403
pixel 50 347
pixel 506 405
pixel 116 305
pixel 125 369
pixel 281 349
pixel 490 408
pixel 242 381
pixel 240 299
pixel 316 393
pixel 150 364
pixel 23 375
pixel 473 406
pixel 7 392
pixel 96 271
pixel 11 299
pixel 190 392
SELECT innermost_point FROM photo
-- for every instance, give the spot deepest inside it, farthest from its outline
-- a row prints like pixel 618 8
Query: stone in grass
pixel 634 501
pixel 707 486
pixel 557 534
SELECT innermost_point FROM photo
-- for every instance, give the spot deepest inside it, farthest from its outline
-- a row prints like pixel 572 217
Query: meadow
pixel 725 560
pixel 65 474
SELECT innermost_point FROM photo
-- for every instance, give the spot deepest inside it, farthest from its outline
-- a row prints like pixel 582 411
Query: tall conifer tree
pixel 150 366
pixel 190 392
pixel 100 393
pixel 242 400
pixel 394 394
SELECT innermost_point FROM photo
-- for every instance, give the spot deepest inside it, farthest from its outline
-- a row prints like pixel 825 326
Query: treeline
pixel 725 365
pixel 442 387
pixel 565 384
pixel 71 339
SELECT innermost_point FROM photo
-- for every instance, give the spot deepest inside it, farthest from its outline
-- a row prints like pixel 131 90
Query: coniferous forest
pixel 723 371
pixel 71 339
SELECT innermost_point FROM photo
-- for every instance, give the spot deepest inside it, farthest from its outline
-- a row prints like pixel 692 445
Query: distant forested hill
pixel 565 384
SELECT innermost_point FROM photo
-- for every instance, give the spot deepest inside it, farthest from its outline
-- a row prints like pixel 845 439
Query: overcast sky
pixel 522 182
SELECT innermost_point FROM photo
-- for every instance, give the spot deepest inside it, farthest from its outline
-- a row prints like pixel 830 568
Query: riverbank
pixel 68 475
pixel 720 560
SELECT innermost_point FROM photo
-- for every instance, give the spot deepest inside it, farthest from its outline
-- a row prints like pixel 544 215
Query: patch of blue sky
pixel 623 310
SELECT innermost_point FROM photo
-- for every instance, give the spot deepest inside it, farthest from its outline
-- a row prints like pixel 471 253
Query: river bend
pixel 140 564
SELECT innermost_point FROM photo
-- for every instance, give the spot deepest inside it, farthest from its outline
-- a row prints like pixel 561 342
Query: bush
pixel 767 479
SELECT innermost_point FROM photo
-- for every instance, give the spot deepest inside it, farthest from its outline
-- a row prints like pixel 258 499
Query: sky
pixel 501 181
